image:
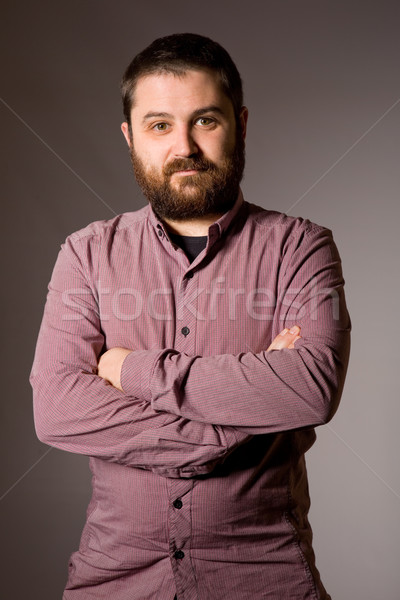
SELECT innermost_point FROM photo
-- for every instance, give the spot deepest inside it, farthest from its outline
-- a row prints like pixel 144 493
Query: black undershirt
pixel 191 245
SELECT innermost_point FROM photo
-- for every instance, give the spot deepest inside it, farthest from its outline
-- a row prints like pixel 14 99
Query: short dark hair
pixel 177 54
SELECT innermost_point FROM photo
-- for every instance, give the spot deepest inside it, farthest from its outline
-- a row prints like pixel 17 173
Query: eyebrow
pixel 200 111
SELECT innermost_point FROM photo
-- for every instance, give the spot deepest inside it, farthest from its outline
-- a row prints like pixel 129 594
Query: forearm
pixel 76 410
pixel 257 393
pixel 264 392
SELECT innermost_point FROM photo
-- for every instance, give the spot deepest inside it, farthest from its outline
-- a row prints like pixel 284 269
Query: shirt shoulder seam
pixel 97 229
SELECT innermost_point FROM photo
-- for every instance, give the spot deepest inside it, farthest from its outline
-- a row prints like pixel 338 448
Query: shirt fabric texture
pixel 199 477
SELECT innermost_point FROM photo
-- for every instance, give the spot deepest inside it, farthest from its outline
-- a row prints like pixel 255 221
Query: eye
pixel 205 121
pixel 161 127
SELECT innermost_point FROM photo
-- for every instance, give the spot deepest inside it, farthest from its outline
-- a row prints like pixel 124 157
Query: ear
pixel 244 115
pixel 126 132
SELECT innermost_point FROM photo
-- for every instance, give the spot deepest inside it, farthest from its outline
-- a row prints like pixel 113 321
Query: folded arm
pixel 77 410
pixel 264 392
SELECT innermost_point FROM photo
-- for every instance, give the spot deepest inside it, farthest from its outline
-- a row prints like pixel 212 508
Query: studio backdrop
pixel 322 86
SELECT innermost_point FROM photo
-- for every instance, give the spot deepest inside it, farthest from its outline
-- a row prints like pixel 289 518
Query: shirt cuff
pixel 136 372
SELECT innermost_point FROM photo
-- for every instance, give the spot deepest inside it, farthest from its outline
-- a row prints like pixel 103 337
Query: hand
pixel 285 339
pixel 110 365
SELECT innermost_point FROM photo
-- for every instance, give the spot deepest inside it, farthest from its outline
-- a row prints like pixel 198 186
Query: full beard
pixel 211 191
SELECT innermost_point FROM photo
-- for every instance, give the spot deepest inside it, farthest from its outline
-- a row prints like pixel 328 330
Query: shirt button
pixel 185 331
pixel 179 554
pixel 160 232
pixel 178 503
pixel 189 275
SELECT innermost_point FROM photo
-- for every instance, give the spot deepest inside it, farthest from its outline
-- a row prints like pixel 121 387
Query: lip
pixel 187 172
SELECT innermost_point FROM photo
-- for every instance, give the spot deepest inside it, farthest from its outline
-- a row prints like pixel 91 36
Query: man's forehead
pixel 187 87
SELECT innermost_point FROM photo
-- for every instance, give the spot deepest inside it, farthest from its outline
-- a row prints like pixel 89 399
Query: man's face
pixel 187 150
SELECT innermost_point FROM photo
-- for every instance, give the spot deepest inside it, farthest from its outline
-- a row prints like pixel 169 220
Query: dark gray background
pixel 321 83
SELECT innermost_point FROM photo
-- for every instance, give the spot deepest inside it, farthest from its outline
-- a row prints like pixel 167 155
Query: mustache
pixel 185 164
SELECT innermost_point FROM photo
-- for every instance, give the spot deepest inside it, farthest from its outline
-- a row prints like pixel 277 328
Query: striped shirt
pixel 199 477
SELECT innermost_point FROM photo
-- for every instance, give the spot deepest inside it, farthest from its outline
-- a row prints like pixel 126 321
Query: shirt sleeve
pixel 265 392
pixel 78 411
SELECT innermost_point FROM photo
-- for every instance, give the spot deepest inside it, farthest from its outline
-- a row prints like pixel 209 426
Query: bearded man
pixel 190 348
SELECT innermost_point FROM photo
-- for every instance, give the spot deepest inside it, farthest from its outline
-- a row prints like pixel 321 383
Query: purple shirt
pixel 199 477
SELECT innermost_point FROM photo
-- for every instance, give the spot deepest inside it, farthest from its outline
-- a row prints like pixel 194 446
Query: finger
pixel 285 338
pixel 291 346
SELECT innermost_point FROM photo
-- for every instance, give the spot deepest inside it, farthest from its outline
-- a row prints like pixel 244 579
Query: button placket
pixel 180 531
pixel 179 490
pixel 187 315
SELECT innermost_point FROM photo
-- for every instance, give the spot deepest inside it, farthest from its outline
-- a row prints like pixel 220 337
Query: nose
pixel 184 144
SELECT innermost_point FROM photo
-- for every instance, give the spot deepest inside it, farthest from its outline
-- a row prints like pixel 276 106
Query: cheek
pixel 152 161
pixel 223 149
pixel 150 153
pixel 157 156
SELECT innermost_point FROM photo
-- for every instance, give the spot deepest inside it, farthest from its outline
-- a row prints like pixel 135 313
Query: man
pixel 190 348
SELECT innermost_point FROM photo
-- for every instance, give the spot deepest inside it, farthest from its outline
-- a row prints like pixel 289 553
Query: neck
pixel 192 228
